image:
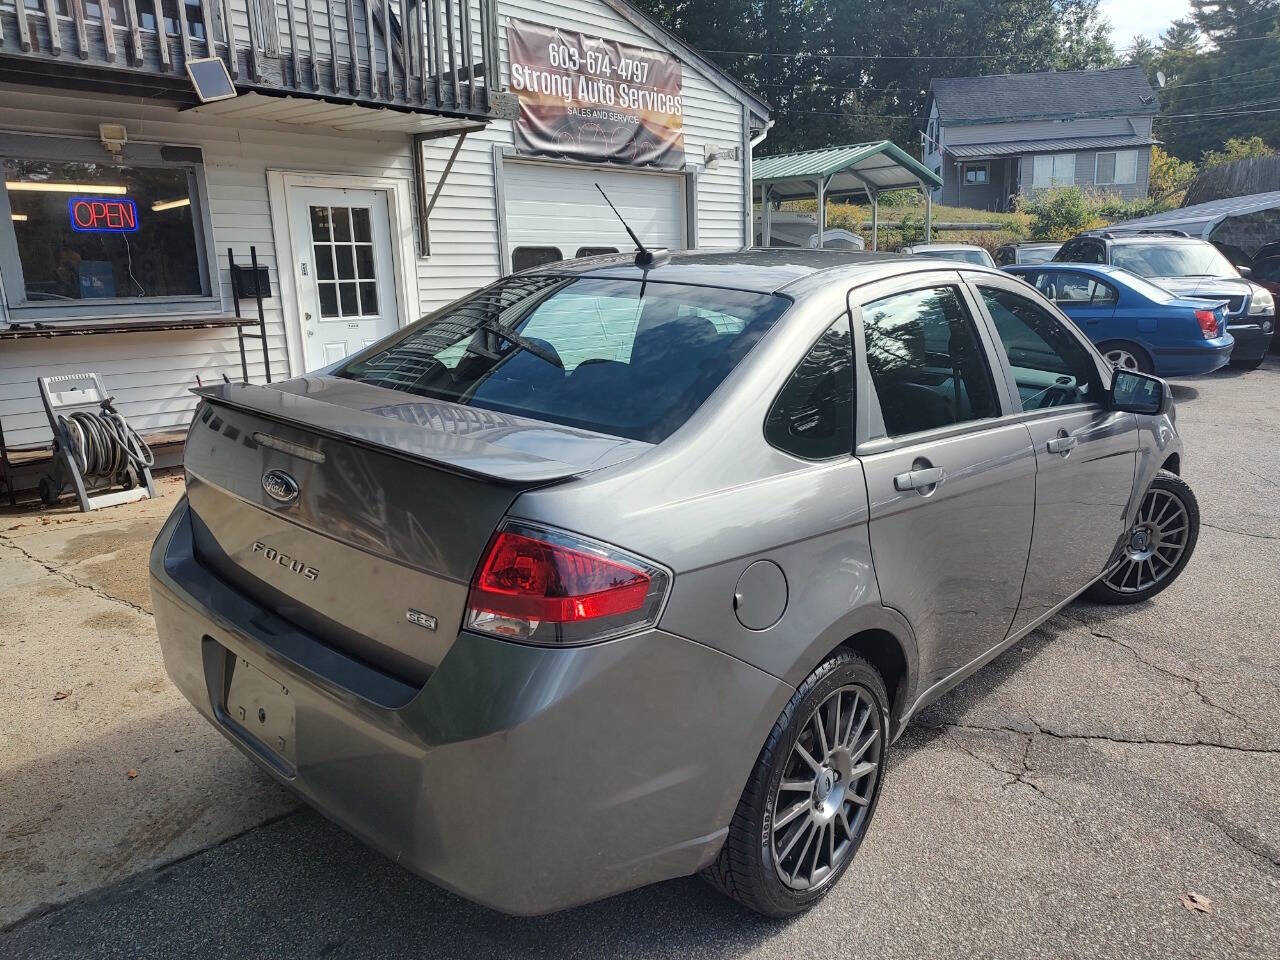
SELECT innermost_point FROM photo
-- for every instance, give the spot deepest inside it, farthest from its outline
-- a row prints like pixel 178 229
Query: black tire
pixel 746 869
pixel 1139 355
pixel 1164 484
pixel 49 491
pixel 1246 366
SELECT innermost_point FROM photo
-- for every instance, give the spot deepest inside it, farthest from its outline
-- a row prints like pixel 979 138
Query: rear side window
pixel 1050 365
pixel 1083 251
pixel 926 361
pixel 620 357
pixel 812 416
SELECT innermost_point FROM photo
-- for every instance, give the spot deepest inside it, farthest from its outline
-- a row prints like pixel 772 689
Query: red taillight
pixel 1208 321
pixel 544 586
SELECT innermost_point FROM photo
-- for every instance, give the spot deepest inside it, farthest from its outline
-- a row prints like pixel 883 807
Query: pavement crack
pixel 1018 776
pixel 74 581
pixel 1086 737
pixel 1192 683
pixel 1240 533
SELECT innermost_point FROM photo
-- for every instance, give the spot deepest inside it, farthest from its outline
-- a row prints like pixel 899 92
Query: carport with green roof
pixel 866 169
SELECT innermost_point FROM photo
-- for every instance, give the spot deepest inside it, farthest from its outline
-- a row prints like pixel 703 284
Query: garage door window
pixel 595 251
pixel 617 356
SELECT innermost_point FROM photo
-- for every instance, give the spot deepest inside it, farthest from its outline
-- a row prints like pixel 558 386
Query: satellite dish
pixel 1160 78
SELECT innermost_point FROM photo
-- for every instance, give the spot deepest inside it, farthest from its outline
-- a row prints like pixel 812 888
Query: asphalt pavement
pixel 1106 788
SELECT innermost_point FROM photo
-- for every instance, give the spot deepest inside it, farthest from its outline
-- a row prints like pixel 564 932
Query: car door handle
pixel 919 479
pixel 1062 444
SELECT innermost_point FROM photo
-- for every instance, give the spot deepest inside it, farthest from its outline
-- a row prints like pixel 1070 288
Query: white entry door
pixel 344 270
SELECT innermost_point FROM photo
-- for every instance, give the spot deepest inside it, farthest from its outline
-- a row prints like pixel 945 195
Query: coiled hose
pixel 104 445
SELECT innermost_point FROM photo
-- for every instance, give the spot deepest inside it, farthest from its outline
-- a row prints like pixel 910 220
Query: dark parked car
pixel 1019 253
pixel 620 571
pixel 1135 324
pixel 1190 267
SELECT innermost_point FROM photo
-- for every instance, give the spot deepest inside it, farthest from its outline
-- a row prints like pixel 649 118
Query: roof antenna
pixel 644 256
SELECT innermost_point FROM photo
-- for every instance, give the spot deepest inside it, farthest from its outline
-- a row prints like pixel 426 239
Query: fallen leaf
pixel 61 694
pixel 133 775
pixel 1196 903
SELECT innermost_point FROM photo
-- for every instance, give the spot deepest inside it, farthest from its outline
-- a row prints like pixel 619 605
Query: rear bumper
pixel 1205 357
pixel 1251 340
pixel 527 779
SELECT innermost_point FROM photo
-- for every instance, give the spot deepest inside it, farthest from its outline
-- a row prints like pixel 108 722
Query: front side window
pixel 1053 170
pixel 91 230
pixel 812 416
pixel 621 357
pixel 1176 259
pixel 1050 366
pixel 926 361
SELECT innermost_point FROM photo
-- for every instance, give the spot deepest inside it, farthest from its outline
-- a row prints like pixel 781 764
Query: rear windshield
pixel 1172 260
pixel 624 357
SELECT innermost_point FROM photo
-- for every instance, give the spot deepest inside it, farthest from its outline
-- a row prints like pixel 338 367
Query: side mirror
pixel 1244 271
pixel 1139 393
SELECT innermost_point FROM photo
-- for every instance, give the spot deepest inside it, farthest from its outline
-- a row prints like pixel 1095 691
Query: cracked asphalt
pixel 1059 803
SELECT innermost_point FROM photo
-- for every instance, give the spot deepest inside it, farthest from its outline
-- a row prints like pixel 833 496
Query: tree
pixel 1169 177
pixel 1236 149
pixel 844 71
pixel 1227 90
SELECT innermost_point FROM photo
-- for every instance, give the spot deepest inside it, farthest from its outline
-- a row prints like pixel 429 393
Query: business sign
pixel 587 98
pixel 102 214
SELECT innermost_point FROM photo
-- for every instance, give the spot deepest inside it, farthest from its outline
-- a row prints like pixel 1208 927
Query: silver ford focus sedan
pixel 616 572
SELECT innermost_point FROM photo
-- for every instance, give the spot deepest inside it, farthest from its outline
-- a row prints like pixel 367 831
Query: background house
pixel 992 138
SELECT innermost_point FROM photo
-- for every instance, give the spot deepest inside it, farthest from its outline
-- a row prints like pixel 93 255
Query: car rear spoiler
pixel 470 441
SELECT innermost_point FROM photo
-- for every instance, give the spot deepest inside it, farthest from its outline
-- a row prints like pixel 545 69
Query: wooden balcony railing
pixel 433 56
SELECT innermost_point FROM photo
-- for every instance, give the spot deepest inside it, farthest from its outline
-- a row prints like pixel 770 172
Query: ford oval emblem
pixel 280 486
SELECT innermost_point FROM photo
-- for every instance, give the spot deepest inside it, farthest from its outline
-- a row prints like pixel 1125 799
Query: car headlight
pixel 1263 304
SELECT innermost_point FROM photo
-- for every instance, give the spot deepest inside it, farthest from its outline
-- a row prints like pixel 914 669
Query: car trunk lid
pixel 359 513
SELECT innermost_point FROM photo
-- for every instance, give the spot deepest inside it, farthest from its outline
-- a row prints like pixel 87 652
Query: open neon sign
pixel 102 214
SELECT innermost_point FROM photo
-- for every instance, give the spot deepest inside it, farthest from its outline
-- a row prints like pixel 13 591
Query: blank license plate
pixel 262 706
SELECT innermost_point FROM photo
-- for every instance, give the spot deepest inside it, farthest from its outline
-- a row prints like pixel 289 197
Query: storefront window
pixel 90 230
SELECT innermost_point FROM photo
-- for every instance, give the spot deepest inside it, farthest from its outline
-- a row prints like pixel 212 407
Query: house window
pixel 1120 166
pixel 82 236
pixel 1053 170
pixel 977 174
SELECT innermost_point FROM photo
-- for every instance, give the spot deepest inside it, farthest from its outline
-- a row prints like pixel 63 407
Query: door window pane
pixel 1050 365
pixel 89 230
pixel 926 361
pixel 344 253
pixel 812 416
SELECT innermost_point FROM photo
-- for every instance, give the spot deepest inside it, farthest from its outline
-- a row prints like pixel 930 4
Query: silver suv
pixel 612 573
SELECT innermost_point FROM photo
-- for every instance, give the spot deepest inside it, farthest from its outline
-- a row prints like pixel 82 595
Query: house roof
pixel 1123 91
pixel 1015 147
pixel 851 168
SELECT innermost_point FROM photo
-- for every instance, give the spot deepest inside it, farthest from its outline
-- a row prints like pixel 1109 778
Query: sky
pixel 1147 17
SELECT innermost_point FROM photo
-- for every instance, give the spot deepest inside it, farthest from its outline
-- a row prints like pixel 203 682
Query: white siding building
pixel 303 174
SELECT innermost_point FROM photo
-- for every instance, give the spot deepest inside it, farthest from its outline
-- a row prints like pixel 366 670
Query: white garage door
pixel 555 212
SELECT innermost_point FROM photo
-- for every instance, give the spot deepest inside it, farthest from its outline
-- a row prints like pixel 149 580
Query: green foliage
pixel 1063 212
pixel 1169 178
pixel 1237 148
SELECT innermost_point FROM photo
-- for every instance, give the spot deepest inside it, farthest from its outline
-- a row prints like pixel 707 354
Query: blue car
pixel 1135 324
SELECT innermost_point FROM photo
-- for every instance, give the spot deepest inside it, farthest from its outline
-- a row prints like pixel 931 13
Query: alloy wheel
pixel 1122 359
pixel 1156 543
pixel 822 803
